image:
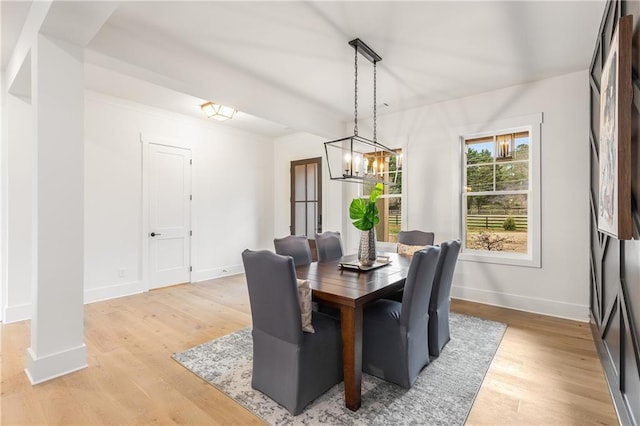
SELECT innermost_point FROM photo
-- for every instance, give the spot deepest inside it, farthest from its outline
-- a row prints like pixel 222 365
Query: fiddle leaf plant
pixel 365 213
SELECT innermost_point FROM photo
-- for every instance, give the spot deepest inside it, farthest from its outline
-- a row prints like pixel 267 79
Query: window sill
pixel 510 259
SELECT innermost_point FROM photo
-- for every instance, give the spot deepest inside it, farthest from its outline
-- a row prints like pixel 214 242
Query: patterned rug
pixel 442 395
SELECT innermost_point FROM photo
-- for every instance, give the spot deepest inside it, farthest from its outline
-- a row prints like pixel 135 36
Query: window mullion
pixel 495 150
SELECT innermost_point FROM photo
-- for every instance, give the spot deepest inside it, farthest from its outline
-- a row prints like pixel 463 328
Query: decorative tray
pixel 356 266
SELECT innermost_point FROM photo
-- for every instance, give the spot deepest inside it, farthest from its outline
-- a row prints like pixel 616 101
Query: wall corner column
pixel 57 323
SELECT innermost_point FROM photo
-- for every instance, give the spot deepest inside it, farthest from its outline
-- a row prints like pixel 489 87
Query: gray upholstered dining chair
pixel 408 243
pixel 291 367
pixel 296 246
pixel 440 303
pixel 416 238
pixel 395 346
pixel 329 246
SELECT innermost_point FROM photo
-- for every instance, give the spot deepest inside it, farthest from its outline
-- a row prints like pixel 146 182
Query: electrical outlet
pixel 120 273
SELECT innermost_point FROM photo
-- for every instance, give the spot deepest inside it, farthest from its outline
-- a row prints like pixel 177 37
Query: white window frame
pixel 532 123
pixel 385 245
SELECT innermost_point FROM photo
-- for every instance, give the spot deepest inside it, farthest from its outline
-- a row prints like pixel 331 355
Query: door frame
pixel 145 141
pixel 292 204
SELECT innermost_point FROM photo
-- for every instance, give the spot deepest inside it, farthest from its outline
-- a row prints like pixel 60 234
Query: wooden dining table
pixel 349 290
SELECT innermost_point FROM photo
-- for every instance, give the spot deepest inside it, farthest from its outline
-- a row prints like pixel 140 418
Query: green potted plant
pixel 365 217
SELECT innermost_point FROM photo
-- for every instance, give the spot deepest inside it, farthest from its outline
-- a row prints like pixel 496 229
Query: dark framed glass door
pixel 306 197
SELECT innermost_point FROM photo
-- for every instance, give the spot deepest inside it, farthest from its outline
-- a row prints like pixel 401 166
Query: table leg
pixel 351 323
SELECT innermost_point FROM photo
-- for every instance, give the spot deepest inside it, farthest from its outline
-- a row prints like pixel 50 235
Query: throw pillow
pixel 304 291
pixel 408 250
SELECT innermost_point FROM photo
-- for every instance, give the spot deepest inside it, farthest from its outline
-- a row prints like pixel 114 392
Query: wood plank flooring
pixel 546 370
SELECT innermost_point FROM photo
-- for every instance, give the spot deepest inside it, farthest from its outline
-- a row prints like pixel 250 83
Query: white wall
pixel 232 206
pixel 241 196
pixel 301 146
pixel 559 287
pixel 432 190
pixel 21 155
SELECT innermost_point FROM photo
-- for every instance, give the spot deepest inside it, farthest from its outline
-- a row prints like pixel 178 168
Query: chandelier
pixel 354 158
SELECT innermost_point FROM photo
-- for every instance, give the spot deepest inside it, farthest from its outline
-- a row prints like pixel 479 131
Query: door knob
pixel 153 234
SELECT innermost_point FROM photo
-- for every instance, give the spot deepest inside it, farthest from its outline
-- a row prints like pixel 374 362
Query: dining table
pixel 341 284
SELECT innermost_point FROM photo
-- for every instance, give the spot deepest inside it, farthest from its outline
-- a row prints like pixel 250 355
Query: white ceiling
pixel 290 63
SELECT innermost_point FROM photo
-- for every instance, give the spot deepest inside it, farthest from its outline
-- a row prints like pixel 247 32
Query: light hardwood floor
pixel 546 370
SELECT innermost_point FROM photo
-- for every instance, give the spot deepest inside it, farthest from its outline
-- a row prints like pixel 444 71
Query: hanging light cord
pixel 355 109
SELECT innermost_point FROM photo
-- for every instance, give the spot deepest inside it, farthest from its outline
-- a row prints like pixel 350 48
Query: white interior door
pixel 169 215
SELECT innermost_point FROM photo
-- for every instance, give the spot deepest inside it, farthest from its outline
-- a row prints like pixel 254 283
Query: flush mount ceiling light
pixel 357 159
pixel 217 111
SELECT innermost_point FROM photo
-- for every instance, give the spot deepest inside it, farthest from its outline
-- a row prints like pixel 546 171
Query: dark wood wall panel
pixel 615 264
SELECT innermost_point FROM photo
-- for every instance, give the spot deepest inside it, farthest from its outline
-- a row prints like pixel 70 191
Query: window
pixel 500 196
pixel 390 203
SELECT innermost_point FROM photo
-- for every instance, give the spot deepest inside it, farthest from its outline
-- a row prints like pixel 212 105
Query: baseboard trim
pixel 209 274
pixel 42 369
pixel 523 303
pixel 113 291
pixel 23 312
pixel 17 313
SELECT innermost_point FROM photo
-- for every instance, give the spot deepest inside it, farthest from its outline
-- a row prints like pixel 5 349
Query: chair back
pixel 416 238
pixel 273 294
pixel 329 246
pixel 441 290
pixel 296 246
pixel 417 287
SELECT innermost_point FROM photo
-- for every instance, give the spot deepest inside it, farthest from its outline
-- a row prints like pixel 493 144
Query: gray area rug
pixel 442 395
